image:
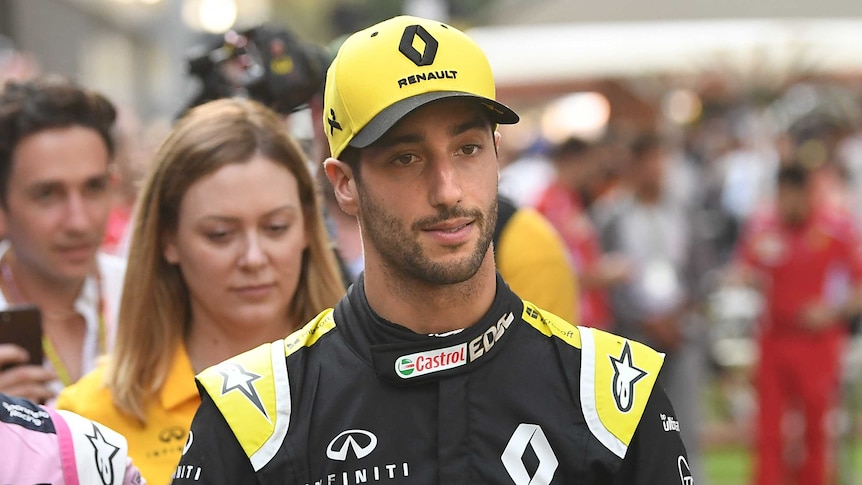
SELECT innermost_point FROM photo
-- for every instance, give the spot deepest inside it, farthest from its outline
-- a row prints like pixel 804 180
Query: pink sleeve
pixel 133 476
pixel 66 446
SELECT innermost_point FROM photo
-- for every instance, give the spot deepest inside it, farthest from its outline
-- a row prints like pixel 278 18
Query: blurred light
pixel 429 9
pixel 521 135
pixel 682 106
pixel 583 115
pixel 213 16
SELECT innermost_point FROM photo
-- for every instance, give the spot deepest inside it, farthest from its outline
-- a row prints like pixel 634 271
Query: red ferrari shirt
pixel 565 211
pixel 816 262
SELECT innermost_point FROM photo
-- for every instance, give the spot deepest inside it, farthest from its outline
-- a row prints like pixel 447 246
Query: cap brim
pixel 386 119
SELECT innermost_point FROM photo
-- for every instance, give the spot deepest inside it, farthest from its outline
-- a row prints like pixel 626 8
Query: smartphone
pixel 22 326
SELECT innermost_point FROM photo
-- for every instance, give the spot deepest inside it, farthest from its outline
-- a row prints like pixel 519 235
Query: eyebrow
pixel 55 183
pixel 475 123
pixel 472 124
pixel 291 208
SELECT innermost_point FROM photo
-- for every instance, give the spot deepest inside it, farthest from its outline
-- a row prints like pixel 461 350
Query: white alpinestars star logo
pixel 625 377
pixel 103 452
pixel 238 379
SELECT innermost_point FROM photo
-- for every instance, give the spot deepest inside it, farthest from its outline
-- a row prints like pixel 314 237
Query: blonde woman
pixel 228 251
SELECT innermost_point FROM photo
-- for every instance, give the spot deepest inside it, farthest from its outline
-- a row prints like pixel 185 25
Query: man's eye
pixel 46 194
pixel 469 149
pixel 97 186
pixel 405 159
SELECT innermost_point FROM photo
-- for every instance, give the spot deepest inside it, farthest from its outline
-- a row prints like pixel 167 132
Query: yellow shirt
pixel 534 262
pixel 155 448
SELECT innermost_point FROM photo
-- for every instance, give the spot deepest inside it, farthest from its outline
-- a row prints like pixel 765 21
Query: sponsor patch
pixel 27 415
pixel 669 423
pixel 361 442
pixel 436 360
pixel 626 375
pixel 530 436
pixel 421 363
pixel 236 378
pixel 353 445
pixel 685 476
pixel 103 454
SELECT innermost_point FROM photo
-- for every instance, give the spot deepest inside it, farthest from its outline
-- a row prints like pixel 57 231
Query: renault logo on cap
pixel 360 441
pixel 406 47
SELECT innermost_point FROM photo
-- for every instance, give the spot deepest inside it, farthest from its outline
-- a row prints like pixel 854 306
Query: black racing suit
pixel 521 397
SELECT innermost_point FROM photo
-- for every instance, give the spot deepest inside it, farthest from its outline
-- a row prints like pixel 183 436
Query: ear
pixel 169 249
pixel 497 137
pixel 343 183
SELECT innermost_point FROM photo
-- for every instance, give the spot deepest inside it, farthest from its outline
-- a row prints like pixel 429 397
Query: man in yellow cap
pixel 430 369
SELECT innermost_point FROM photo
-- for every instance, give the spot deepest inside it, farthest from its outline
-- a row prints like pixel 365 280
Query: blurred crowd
pixel 728 242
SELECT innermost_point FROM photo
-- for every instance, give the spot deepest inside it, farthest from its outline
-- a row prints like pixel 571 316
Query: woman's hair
pixel 155 309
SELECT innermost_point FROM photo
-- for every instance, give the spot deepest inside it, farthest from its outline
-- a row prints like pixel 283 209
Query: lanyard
pixel 18 297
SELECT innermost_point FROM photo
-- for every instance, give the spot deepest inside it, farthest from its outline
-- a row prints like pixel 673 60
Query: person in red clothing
pixel 804 256
pixel 577 165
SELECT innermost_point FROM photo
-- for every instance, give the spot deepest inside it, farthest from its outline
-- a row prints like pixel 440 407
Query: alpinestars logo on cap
pixel 407 48
pixel 626 375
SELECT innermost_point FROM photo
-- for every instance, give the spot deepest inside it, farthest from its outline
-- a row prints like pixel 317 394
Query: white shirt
pixel 112 270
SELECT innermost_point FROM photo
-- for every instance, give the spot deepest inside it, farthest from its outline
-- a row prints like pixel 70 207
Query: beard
pixel 400 249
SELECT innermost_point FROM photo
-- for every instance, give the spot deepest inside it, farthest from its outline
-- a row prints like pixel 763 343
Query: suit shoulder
pixel 618 376
pixel 252 390
pixel 550 325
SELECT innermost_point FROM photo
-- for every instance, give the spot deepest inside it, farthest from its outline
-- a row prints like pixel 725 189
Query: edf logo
pixel 406 46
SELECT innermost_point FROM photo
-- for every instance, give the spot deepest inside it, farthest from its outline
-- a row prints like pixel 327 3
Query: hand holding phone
pixel 22 326
pixel 21 356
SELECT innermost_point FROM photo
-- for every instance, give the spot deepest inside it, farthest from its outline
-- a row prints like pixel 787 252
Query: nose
pixel 78 217
pixel 253 255
pixel 445 183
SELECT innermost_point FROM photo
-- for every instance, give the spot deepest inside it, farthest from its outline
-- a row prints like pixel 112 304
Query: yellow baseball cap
pixel 386 71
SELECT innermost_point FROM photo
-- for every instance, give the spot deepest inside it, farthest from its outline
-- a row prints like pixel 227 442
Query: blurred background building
pixel 134 49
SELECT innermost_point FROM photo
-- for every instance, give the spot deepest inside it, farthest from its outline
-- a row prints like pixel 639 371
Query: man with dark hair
pixel 56 147
pixel 564 202
pixel 656 304
pixel 430 369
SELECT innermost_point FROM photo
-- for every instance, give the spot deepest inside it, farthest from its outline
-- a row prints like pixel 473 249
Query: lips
pixel 77 252
pixel 254 291
pixel 452 232
pixel 448 226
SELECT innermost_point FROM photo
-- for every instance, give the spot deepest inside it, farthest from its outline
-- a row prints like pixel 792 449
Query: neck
pixel 429 308
pixel 209 342
pixel 33 286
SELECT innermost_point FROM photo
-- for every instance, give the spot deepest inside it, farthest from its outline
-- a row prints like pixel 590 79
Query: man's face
pixel 650 174
pixel 428 194
pixel 793 203
pixel 57 202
